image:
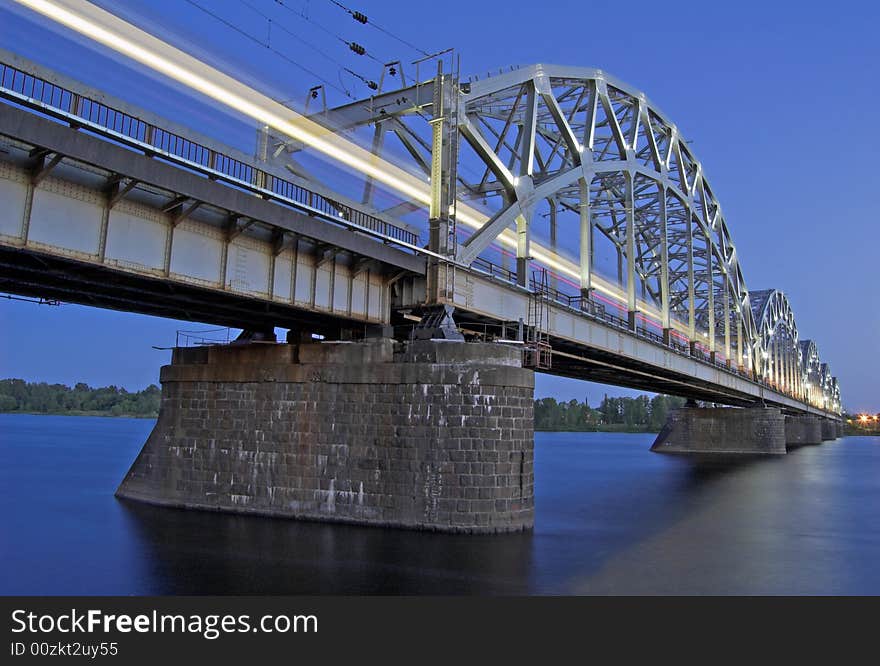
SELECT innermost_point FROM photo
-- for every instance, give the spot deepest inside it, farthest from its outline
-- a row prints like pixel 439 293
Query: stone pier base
pixel 723 431
pixel 802 430
pixel 829 429
pixel 432 434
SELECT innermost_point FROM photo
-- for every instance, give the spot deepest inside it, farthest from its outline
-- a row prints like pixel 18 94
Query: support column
pixel 522 251
pixel 692 325
pixel 630 253
pixel 771 362
pixel 739 340
pixel 554 246
pixel 727 359
pixel 789 375
pixel 783 345
pixel 829 429
pixel 586 247
pixel 802 430
pixel 710 269
pixel 665 319
pixel 431 435
pixel 444 157
pixel 723 430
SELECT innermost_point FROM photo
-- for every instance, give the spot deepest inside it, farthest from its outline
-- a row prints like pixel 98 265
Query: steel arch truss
pixel 568 170
pixel 577 144
pixel 819 387
pixel 788 364
pixel 776 346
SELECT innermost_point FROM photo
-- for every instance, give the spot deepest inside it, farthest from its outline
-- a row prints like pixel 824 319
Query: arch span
pixel 597 185
pixel 571 171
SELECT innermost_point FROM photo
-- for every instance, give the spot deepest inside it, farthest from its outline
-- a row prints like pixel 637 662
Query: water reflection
pixel 189 552
pixel 611 517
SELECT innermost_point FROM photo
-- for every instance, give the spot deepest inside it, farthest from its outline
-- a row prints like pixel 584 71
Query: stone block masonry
pixel 755 430
pixel 829 430
pixel 432 435
pixel 802 430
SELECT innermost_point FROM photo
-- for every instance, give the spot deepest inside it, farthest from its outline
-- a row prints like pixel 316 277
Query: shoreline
pixel 99 414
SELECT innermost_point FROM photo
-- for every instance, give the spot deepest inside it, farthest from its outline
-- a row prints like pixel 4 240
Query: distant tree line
pixel 622 414
pixel 641 414
pixel 17 395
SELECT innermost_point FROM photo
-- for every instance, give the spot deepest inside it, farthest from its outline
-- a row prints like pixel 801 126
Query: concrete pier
pixel 829 429
pixel 432 435
pixel 802 430
pixel 759 431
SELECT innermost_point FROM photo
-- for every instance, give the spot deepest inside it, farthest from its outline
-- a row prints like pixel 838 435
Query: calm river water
pixel 612 518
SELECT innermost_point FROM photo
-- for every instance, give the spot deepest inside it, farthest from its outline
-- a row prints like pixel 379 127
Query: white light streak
pixel 132 42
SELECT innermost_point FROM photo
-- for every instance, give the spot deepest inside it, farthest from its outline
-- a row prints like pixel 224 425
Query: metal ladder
pixel 537 352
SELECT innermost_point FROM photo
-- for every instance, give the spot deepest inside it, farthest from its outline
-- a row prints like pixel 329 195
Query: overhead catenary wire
pixel 372 85
pixel 268 46
pixel 362 18
pixel 353 46
pixel 291 33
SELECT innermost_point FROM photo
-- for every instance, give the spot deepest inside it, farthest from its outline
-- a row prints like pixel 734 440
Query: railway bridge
pixel 545 219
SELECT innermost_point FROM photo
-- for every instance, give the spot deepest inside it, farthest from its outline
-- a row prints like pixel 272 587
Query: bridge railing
pixel 43 95
pixel 494 270
pixel 585 306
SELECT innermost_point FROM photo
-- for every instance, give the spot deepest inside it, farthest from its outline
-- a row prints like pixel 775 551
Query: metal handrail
pixel 155 138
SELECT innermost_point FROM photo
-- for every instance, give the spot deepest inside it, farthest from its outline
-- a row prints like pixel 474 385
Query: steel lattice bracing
pixel 579 174
pixel 777 347
pixel 597 151
pixel 612 170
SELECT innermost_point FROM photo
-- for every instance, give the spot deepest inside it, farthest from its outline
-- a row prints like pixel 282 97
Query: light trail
pixel 139 45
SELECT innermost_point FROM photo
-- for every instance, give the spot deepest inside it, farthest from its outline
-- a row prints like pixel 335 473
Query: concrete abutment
pixel 428 434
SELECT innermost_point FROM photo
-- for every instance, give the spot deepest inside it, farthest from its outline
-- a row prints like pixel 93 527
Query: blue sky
pixel 778 99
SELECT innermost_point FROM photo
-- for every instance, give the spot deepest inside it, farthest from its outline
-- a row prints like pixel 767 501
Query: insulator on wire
pixel 372 85
pixel 357 48
pixel 360 18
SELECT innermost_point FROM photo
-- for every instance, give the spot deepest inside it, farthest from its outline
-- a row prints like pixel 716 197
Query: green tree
pixel 43 398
